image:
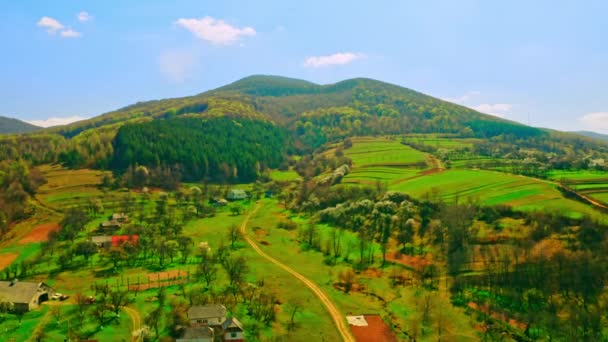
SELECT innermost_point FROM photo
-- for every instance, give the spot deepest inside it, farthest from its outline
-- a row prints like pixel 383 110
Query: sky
pixel 543 63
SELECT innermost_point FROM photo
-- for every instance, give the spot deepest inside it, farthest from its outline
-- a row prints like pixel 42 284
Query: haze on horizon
pixel 543 63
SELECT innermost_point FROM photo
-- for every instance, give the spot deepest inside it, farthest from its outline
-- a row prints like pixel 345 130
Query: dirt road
pixel 339 320
pixel 136 319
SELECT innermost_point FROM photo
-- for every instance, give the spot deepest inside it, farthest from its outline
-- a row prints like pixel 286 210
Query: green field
pixel 492 188
pixel 284 176
pixel 384 174
pixel 442 143
pixel 586 182
pixel 378 151
pixel 382 160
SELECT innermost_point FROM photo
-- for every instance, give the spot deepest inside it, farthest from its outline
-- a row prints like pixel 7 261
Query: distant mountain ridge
pixel 11 126
pixel 594 135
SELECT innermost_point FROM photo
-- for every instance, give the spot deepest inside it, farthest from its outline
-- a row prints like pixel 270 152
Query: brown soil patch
pixel 168 275
pixel 39 233
pixel 156 284
pixel 416 262
pixel 375 331
pixel 372 273
pixel 6 259
pixel 265 243
pixel 261 232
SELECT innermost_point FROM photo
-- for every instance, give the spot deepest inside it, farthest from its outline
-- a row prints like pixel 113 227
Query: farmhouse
pixel 119 217
pixel 106 241
pixel 102 241
pixel 237 195
pixel 109 226
pixel 207 315
pixel 24 296
pixel 233 330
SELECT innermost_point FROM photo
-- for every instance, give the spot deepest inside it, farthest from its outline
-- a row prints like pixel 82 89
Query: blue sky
pixel 543 62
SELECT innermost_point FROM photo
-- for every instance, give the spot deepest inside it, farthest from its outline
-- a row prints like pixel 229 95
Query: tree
pixel 118 299
pixel 236 267
pixel 236 209
pixel 86 249
pixel 207 268
pixel 347 279
pixel 234 234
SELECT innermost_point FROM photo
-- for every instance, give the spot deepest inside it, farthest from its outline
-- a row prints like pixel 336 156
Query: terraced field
pixel 367 152
pixel 66 188
pixel 380 159
pixel 491 188
pixel 593 184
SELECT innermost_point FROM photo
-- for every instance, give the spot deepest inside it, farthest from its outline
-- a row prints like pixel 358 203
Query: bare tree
pixel 234 235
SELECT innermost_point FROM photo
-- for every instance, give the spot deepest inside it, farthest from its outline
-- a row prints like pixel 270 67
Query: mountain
pixel 10 125
pixel 594 135
pixel 308 115
pixel 283 100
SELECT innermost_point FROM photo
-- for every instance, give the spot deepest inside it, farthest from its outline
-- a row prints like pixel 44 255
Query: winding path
pixel 343 328
pixel 136 319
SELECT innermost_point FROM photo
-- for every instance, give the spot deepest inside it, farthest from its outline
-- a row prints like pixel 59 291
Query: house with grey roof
pixel 237 195
pixel 103 241
pixel 24 296
pixel 207 315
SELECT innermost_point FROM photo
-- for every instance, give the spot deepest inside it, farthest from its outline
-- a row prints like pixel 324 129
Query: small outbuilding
pixel 197 334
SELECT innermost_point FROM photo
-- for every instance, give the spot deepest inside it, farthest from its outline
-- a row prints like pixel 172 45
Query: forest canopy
pixel 226 148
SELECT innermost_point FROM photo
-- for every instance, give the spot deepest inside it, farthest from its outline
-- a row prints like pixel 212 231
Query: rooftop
pixel 206 311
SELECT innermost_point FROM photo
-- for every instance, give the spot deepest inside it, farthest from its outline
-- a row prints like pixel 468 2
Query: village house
pixel 109 226
pixel 106 241
pixel 237 195
pixel 119 217
pixel 233 330
pixel 213 316
pixel 207 315
pixel 24 296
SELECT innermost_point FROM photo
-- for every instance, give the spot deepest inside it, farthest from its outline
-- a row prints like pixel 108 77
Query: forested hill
pixel 10 125
pixel 309 115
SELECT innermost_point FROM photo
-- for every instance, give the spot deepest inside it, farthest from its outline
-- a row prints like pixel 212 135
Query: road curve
pixel 339 321
pixel 136 319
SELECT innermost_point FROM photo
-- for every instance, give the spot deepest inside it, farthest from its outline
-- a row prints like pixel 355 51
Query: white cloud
pixel 464 98
pixel 56 121
pixel 51 25
pixel 69 33
pixel 597 121
pixel 214 30
pixel 83 17
pixel 339 58
pixel 496 109
pixel 176 65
